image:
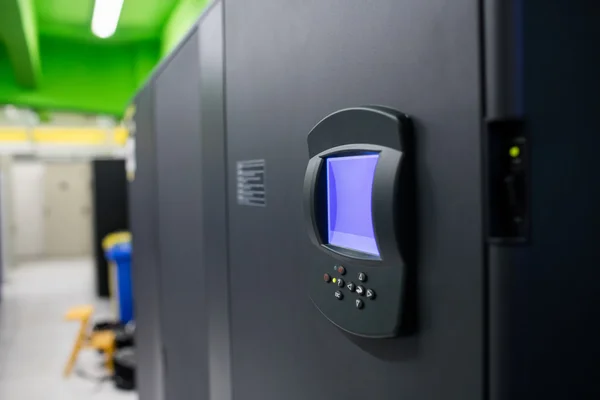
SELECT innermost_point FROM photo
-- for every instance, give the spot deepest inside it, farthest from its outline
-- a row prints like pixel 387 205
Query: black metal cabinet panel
pixel 289 64
pixel 145 263
pixel 110 212
pixel 545 294
pixel 214 186
pixel 181 236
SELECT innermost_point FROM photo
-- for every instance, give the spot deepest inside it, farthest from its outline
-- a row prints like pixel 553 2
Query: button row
pixel 358 302
pixel 342 271
pixel 338 281
pixel 360 290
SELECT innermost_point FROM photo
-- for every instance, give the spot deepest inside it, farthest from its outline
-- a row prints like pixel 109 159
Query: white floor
pixel 35 340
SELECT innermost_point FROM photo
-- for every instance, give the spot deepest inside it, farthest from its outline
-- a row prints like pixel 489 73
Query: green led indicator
pixel 514 151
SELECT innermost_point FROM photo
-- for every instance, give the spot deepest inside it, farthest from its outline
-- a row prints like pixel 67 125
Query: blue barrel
pixel 120 254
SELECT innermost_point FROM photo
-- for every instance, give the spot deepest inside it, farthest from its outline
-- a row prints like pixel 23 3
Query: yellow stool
pixel 103 341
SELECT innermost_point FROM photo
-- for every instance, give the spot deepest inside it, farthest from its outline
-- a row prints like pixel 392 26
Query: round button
pixel 360 290
pixel 340 282
pixel 351 286
pixel 359 303
pixel 370 294
pixel 362 277
pixel 341 270
pixel 339 295
pixel 326 277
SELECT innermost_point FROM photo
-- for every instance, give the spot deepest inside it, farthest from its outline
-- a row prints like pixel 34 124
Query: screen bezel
pixel 384 202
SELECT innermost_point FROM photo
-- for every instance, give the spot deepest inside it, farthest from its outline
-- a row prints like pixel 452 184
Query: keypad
pixel 360 289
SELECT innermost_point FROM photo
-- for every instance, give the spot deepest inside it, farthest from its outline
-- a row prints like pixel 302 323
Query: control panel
pixel 359 202
pixel 348 287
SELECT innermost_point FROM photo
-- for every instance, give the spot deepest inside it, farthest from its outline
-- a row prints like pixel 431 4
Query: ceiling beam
pixel 18 28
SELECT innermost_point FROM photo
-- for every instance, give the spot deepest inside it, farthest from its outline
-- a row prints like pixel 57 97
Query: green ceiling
pixel 49 58
pixel 140 19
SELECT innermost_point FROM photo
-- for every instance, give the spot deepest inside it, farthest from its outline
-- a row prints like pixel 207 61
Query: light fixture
pixel 106 17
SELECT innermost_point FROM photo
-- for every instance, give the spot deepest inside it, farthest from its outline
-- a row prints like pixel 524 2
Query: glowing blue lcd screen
pixel 349 192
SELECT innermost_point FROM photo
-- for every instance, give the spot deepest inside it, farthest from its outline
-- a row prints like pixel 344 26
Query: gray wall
pixel 7 245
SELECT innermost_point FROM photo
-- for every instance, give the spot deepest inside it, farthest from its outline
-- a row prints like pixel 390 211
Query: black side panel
pixel 503 53
pixel 110 212
pixel 289 64
pixel 545 297
pixel 144 226
pixel 181 236
pixel 214 186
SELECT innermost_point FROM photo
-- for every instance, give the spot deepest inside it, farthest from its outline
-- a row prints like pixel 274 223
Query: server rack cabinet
pixel 485 330
pixel 181 239
pixel 501 315
pixel 544 293
pixel 214 187
pixel 143 211
pixel 181 167
pixel 111 212
pixel 192 213
pixel 288 65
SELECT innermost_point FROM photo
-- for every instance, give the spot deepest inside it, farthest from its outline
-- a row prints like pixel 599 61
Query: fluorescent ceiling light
pixel 106 17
